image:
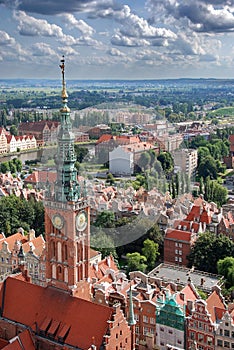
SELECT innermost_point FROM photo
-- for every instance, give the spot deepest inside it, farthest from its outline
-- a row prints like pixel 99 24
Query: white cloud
pixel 42 49
pixel 31 26
pixel 81 25
pixel 6 39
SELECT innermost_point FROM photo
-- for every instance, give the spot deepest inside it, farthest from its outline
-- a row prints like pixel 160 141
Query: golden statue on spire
pixel 62 66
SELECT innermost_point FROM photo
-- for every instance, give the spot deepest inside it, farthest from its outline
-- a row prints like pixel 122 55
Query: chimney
pixel 202 281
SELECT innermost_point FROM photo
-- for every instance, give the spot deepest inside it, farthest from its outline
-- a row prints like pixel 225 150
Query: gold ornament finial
pixel 62 66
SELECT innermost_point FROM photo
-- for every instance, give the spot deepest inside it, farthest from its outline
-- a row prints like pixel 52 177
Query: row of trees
pixel 213 191
pixel 14 165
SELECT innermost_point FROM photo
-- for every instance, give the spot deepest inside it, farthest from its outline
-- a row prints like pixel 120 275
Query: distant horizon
pixel 114 79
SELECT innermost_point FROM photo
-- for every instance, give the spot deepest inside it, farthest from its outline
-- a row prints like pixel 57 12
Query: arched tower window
pixel 59 248
pixel 65 255
pixel 65 274
pixel 59 273
pixel 52 249
pixel 53 271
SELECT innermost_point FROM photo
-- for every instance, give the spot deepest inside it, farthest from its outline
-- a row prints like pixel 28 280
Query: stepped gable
pixel 77 321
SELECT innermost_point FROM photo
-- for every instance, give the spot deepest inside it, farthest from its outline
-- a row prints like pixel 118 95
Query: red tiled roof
pixel 85 319
pixel 12 239
pixel 22 342
pixel 3 343
pixel 214 304
pixel 41 176
pixel 104 138
pixel 178 235
pixel 38 243
pixel 99 271
pixel 189 294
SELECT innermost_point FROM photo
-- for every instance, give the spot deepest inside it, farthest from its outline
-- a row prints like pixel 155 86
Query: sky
pixel 117 39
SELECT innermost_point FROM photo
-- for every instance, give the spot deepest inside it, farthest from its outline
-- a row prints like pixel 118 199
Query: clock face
pixel 58 221
pixel 81 221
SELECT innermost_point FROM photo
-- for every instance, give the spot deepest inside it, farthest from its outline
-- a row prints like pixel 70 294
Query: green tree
pixel 103 243
pixel 207 167
pixel 13 130
pixel 5 167
pixel 150 251
pixel 12 167
pixel 226 269
pixel 110 179
pixel 81 153
pixel 208 250
pixel 136 262
pixel 167 162
pixel 144 160
pixel 18 164
pixel 105 219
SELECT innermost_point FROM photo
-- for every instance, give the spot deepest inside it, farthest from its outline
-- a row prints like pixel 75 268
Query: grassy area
pixel 223 111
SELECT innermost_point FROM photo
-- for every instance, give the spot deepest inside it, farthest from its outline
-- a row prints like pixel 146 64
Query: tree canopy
pixel 16 212
pixel 208 250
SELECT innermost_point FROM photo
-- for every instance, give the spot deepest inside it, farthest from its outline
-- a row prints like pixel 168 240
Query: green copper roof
pixel 170 314
pixel 67 187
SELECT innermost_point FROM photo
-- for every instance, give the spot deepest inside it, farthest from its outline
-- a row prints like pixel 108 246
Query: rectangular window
pixel 226 333
pixel 145 330
pixel 192 335
pixel 200 337
pixel 226 344
pixel 137 330
pixel 145 319
pixel 219 342
pixel 152 320
pixel 209 341
pixel 180 259
pixel 176 259
pixel 176 251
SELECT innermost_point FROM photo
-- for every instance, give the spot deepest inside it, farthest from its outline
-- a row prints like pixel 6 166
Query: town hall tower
pixel 67 214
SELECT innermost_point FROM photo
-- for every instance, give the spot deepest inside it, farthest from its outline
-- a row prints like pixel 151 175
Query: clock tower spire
pixel 67 214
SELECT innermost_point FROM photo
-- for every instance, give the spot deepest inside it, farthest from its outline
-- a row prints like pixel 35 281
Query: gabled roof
pixel 101 269
pixel 187 293
pixel 37 244
pixel 12 239
pixel 215 304
pixel 77 321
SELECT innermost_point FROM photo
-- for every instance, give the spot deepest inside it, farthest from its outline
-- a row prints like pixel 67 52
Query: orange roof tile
pixel 104 138
pixel 85 319
pixel 12 239
pixel 178 235
pixel 215 302
pixel 38 244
